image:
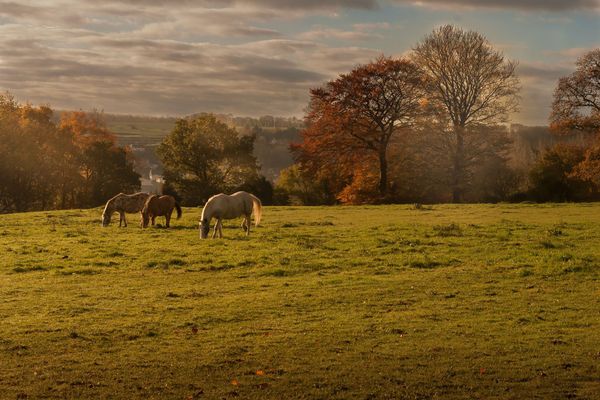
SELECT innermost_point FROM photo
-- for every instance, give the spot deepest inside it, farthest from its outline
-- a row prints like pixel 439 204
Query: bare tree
pixel 576 103
pixel 472 83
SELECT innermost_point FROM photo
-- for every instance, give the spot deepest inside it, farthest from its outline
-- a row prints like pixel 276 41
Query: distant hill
pixel 273 138
pixel 275 134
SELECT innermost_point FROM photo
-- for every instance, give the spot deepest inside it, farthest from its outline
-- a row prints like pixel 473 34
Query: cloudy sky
pixel 256 57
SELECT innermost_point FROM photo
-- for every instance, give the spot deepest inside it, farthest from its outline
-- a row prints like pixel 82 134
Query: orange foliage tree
pixel 576 107
pixel 45 166
pixel 87 128
pixel 352 120
pixel 576 104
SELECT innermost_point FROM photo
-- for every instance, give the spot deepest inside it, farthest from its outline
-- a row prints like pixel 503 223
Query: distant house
pixel 153 184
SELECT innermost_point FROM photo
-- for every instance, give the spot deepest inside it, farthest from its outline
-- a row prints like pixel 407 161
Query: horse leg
pixel 220 228
pixel 247 222
pixel 214 235
pixel 153 220
pixel 124 219
pixel 168 217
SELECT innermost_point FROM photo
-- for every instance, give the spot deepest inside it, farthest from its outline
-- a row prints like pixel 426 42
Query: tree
pixel 28 144
pixel 87 127
pixel 299 187
pixel 105 169
pixel 43 166
pixel 576 107
pixel 203 156
pixel 108 170
pixel 576 104
pixel 588 170
pixel 551 177
pixel 352 119
pixel 473 84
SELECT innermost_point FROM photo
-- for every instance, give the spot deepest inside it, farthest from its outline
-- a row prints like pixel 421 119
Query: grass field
pixel 390 302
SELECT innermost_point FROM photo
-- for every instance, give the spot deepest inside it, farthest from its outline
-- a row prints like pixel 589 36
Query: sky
pixel 261 57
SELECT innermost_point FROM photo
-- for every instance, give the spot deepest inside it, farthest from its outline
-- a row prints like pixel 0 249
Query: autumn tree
pixel 203 156
pixel 26 135
pixel 87 127
pixel 552 177
pixel 104 167
pixel 576 108
pixel 352 119
pixel 472 83
pixel 576 104
pixel 44 166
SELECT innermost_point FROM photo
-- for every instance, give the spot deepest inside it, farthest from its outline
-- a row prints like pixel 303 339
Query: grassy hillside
pixel 449 302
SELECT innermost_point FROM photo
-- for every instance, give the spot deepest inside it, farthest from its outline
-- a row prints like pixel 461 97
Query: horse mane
pixel 208 206
pixel 110 203
pixel 147 203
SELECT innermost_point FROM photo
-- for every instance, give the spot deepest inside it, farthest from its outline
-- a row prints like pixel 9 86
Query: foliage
pixel 352 119
pixel 378 302
pixel 576 107
pixel 260 187
pixel 107 170
pixel 588 170
pixel 203 156
pixel 45 166
pixel 552 177
pixel 299 187
pixel 576 104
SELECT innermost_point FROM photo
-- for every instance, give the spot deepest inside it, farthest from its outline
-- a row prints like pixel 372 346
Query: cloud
pixel 538 81
pixel 542 72
pixel 318 33
pixel 527 5
pixel 240 56
pixel 572 53
pixel 304 5
pixel 127 72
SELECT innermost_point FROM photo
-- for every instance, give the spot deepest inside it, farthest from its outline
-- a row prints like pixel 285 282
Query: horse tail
pixel 178 207
pixel 256 209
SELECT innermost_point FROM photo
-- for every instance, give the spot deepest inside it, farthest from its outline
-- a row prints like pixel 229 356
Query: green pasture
pixel 374 302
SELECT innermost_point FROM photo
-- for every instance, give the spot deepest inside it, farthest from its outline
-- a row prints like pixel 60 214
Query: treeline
pixel 428 128
pixel 432 127
pixel 48 164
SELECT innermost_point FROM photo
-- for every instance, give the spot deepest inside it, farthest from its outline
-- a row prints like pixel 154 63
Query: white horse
pixel 223 206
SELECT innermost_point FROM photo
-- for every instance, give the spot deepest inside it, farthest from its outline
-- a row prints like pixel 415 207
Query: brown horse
pixel 159 206
pixel 122 203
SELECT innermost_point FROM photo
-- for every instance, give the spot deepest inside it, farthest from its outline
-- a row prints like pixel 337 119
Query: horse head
pixel 109 209
pixel 204 226
pixel 145 218
pixel 105 218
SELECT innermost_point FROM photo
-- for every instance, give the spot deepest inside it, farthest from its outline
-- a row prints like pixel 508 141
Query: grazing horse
pixel 123 203
pixel 158 206
pixel 223 206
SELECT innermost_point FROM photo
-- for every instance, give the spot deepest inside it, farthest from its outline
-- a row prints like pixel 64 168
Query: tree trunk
pixel 383 178
pixel 458 167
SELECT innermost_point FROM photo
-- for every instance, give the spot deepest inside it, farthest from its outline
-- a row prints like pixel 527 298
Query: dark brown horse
pixel 159 206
